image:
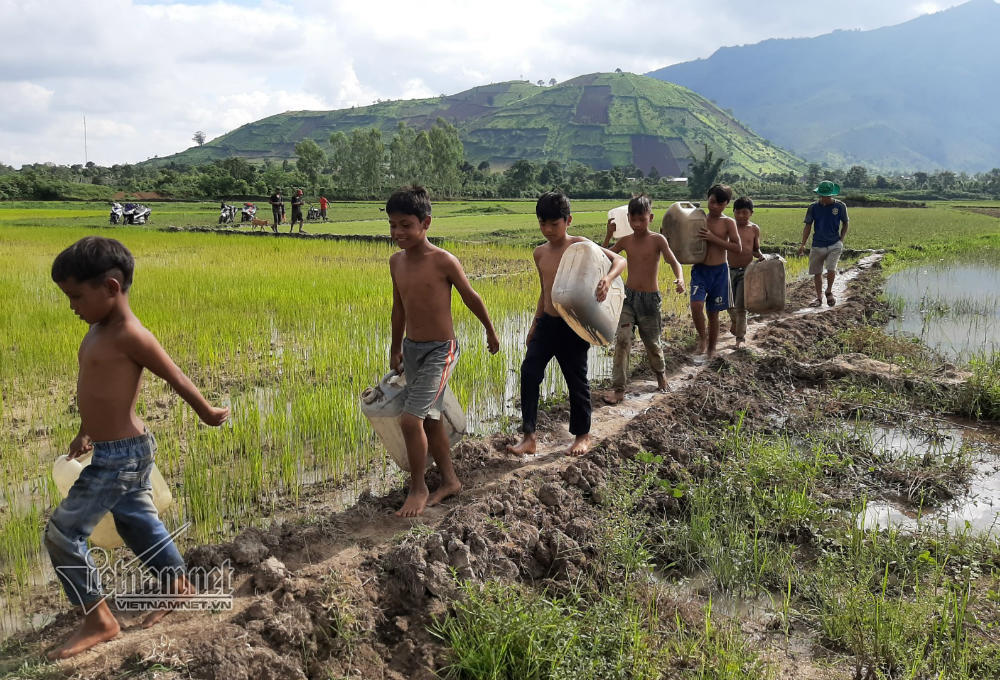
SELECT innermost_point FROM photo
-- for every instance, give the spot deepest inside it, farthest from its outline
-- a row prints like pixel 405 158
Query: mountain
pixel 918 95
pixel 601 119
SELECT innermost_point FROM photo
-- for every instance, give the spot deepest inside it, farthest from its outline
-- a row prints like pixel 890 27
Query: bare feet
pixel 526 447
pixel 183 590
pixel 100 625
pixel 444 491
pixel 739 342
pixel 415 502
pixel 661 382
pixel 702 344
pixel 580 445
pixel 613 396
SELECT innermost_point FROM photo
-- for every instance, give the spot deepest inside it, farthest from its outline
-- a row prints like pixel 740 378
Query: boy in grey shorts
pixel 422 279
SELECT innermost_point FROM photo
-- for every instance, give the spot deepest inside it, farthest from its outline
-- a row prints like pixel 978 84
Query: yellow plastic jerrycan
pixel 680 225
pixel 764 285
pixel 65 473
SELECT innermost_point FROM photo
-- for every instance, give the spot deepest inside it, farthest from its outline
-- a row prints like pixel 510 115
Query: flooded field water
pixel 974 509
pixel 951 306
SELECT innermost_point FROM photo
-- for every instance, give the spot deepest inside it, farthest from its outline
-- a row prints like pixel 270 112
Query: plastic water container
pixel 382 404
pixel 573 293
pixel 65 473
pixel 620 216
pixel 764 285
pixel 680 225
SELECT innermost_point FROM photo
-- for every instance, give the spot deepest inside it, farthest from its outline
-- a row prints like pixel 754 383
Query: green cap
pixel 827 188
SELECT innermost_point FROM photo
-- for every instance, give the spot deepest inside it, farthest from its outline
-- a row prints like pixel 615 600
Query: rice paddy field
pixel 288 332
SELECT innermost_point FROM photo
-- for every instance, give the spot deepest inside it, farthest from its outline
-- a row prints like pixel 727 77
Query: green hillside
pixel 601 119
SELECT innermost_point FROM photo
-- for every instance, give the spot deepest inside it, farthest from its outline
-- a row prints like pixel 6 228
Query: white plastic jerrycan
pixel 573 293
pixel 764 285
pixel 620 216
pixel 383 405
pixel 680 225
pixel 65 473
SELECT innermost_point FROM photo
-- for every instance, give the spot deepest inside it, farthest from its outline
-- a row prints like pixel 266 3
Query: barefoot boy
pixel 710 279
pixel 422 279
pixel 642 294
pixel 550 336
pixel 95 274
pixel 749 249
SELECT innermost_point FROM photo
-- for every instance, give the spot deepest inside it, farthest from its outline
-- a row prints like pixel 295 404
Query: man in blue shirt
pixel 830 217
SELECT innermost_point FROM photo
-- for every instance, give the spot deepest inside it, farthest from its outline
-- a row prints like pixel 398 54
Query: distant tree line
pixel 364 164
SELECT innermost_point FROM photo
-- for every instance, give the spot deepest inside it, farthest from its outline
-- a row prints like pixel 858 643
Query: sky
pixel 147 74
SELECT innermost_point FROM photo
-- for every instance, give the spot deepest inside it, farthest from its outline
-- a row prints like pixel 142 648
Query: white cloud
pixel 148 75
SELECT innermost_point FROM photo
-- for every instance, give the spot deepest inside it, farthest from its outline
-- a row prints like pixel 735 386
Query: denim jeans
pixel 116 481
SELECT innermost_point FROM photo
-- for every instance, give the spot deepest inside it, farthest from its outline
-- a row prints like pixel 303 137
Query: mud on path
pixel 351 593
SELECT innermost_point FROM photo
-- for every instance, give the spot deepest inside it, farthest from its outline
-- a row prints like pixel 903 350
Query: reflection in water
pixel 953 307
pixel 976 510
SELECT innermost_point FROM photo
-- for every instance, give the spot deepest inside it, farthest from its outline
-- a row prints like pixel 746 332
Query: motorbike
pixel 227 213
pixel 313 214
pixel 247 212
pixel 116 213
pixel 135 213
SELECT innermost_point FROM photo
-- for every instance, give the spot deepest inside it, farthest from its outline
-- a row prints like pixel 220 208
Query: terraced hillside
pixel 601 119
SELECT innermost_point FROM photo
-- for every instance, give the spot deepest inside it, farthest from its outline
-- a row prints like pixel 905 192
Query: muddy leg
pixel 713 333
pixel 698 314
pixel 416 454
pixel 440 450
pixel 181 590
pixel 99 625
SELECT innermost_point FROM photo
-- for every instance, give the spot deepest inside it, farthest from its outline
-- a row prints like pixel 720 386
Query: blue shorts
pixel 710 284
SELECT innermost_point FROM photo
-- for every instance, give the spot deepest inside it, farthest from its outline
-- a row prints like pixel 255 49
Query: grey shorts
pixel 427 367
pixel 825 258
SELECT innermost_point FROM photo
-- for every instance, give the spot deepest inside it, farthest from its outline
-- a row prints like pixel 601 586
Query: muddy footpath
pixel 344 593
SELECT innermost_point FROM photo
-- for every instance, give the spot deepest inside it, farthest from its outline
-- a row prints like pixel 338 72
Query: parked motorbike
pixel 136 213
pixel 116 213
pixel 227 213
pixel 247 212
pixel 313 214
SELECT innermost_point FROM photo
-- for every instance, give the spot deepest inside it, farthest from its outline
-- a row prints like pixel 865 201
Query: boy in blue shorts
pixel 423 276
pixel 95 274
pixel 710 279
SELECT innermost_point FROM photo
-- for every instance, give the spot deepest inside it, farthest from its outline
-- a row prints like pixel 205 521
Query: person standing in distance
pixel 830 217
pixel 277 209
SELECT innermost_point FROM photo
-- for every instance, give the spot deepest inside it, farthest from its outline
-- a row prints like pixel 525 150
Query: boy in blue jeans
pixel 95 274
pixel 710 279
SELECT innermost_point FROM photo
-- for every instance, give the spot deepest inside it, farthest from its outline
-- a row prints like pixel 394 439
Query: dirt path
pixel 335 592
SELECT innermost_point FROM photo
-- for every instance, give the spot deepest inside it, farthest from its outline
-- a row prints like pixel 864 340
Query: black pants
pixel 553 338
pixel 276 213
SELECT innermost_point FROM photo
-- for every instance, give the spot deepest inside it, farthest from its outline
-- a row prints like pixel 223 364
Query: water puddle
pixel 975 509
pixel 951 306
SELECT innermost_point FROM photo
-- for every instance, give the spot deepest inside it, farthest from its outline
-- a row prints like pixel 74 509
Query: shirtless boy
pixel 710 279
pixel 550 336
pixel 95 274
pixel 644 249
pixel 422 278
pixel 749 250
